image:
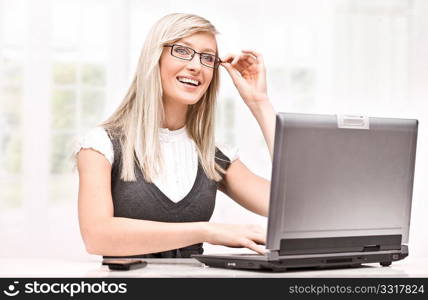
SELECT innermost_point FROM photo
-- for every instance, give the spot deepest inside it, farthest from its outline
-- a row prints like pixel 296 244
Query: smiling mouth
pixel 188 81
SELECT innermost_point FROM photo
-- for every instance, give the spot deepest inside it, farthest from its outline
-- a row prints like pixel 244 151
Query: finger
pixel 253 246
pixel 235 60
pixel 242 62
pixel 232 60
pixel 252 52
pixel 250 59
pixel 258 235
pixel 244 59
pixel 228 58
pixel 257 55
pixel 249 56
pixel 260 239
pixel 247 66
pixel 236 65
pixel 242 65
pixel 232 72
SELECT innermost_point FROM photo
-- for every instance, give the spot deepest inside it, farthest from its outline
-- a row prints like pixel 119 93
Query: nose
pixel 195 63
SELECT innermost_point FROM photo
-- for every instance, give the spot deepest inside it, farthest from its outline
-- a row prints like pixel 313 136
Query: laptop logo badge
pixel 353 122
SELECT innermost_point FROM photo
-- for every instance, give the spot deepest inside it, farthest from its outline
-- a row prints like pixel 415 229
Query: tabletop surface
pixel 188 267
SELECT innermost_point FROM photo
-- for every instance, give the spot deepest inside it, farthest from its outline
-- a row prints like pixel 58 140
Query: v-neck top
pixel 143 200
pixel 179 154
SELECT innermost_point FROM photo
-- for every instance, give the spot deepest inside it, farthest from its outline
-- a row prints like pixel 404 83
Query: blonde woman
pixel 150 173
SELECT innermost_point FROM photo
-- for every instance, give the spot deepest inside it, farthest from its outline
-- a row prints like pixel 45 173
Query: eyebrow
pixel 203 50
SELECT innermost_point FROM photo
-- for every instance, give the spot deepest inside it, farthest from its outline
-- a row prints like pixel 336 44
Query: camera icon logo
pixel 11 290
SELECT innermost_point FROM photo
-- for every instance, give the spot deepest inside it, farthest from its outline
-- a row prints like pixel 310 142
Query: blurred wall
pixel 65 65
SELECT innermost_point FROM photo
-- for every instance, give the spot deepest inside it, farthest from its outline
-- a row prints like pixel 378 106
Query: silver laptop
pixel 341 193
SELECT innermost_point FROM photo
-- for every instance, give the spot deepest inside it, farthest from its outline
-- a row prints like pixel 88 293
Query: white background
pixel 356 57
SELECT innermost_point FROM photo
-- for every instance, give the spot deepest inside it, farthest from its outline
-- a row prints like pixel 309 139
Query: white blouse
pixel 179 155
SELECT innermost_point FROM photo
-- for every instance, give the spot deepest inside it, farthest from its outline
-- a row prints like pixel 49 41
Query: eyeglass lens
pixel 188 53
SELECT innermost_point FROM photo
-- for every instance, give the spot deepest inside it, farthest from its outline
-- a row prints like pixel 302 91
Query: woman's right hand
pixel 237 235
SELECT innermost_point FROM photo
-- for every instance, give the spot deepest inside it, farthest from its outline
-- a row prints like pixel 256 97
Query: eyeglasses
pixel 186 53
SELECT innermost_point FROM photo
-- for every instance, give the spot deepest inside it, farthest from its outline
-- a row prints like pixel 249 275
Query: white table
pixel 91 267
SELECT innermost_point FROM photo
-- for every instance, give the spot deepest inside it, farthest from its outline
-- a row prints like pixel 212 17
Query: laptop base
pixel 289 262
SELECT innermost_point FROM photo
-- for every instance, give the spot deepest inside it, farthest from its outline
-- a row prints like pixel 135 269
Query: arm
pixel 248 74
pixel 265 116
pixel 246 188
pixel 104 234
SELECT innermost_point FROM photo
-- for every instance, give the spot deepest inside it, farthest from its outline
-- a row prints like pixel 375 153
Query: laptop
pixel 341 194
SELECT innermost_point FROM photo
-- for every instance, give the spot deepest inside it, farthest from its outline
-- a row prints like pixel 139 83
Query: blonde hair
pixel 137 120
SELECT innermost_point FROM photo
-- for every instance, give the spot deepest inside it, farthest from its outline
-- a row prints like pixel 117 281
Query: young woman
pixel 149 174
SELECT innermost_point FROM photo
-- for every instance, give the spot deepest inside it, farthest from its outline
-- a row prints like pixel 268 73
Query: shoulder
pixel 231 152
pixel 225 154
pixel 98 140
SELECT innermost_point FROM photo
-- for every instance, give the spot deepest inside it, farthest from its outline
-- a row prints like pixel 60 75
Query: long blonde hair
pixel 137 120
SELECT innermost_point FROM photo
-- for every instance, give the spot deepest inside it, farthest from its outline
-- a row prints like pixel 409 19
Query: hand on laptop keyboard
pixel 237 236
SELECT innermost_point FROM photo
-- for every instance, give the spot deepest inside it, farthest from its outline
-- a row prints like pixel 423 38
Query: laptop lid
pixel 340 182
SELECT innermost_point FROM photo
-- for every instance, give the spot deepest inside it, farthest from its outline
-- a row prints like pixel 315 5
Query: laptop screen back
pixel 329 180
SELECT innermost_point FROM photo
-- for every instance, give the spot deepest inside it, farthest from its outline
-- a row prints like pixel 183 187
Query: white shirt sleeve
pixel 230 151
pixel 98 140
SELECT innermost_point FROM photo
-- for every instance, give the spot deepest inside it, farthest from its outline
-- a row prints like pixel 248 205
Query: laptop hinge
pixel 273 255
pixel 340 244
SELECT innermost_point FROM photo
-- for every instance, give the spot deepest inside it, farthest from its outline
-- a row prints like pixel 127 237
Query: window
pixel 11 95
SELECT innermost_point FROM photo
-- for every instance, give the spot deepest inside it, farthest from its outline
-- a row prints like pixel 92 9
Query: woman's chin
pixel 184 98
pixel 189 101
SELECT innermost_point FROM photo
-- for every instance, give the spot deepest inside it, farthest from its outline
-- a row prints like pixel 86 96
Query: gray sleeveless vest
pixel 142 200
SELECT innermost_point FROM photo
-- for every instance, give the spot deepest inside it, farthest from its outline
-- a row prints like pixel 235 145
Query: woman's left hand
pixel 248 73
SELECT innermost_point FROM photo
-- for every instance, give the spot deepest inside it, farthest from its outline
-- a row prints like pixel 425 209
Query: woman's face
pixel 175 71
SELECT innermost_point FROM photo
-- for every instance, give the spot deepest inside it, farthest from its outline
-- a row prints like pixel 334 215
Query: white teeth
pixel 188 80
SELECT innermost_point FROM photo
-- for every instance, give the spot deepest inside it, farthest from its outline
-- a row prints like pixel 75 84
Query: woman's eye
pixel 208 58
pixel 181 50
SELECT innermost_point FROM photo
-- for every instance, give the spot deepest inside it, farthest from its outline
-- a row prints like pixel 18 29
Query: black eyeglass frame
pixel 217 62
